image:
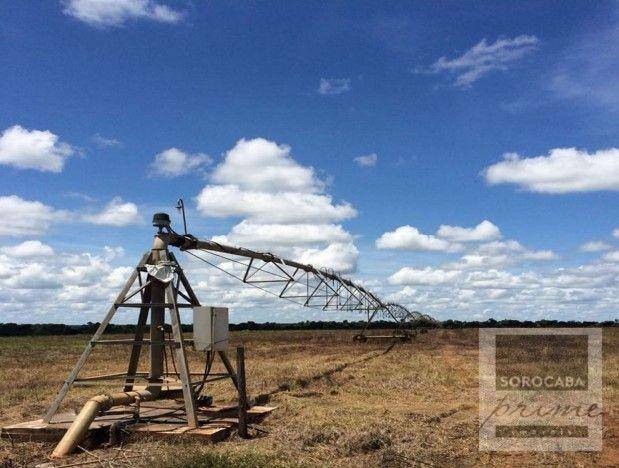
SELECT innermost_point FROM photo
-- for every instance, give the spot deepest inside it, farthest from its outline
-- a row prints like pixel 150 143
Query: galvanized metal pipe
pixel 157 317
pixel 396 311
pixel 93 407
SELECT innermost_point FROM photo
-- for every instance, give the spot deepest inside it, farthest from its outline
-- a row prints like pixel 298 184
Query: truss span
pixel 302 284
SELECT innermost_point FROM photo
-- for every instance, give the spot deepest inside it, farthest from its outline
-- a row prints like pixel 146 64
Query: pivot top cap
pixel 161 220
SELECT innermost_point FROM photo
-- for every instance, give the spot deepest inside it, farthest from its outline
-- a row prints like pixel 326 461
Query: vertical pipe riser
pixel 157 318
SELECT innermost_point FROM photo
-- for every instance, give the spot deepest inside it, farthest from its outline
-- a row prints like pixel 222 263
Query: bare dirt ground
pixel 339 403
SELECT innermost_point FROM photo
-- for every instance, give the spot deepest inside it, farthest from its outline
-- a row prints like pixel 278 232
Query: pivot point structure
pixel 157 287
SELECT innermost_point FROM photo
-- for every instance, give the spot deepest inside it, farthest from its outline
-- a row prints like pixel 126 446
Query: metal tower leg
pixel 231 372
pixel 88 349
pixel 136 349
pixel 361 336
pixel 177 332
pixel 185 282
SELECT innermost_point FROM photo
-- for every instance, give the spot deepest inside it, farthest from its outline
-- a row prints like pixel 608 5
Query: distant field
pixel 339 403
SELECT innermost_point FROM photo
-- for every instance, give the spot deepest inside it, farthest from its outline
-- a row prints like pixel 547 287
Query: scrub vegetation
pixel 339 403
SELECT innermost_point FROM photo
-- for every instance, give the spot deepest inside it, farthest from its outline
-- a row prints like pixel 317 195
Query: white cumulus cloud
pixel 611 256
pixel 283 204
pixel 258 179
pixel 484 231
pixel 478 284
pixel 410 238
pixel 24 217
pixel 33 248
pixel 116 12
pixel 341 257
pixel 425 276
pixel 264 165
pixel 479 261
pixel 33 276
pixel 267 236
pixel 271 208
pixel 500 254
pixel 447 238
pixel 563 170
pixel 174 162
pixel 116 213
pixel 496 247
pixel 43 288
pixel 33 149
pixel 540 255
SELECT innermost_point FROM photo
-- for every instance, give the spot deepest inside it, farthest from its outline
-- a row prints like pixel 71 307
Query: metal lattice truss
pixel 301 284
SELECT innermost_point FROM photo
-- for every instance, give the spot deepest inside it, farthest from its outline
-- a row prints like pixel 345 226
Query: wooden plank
pixel 261 410
pixel 397 337
pixel 211 433
pixel 165 418
pixel 64 420
pixel 130 341
pixel 118 375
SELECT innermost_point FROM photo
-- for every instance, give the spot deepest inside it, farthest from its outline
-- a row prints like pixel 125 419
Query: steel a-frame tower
pixel 156 285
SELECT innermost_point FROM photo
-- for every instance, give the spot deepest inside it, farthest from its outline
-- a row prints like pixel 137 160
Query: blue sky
pixel 395 118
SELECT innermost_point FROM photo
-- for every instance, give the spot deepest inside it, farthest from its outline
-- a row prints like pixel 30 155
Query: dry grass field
pixel 339 403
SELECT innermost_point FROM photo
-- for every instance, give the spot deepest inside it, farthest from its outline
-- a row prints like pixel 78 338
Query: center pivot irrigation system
pixel 301 284
pixel 157 286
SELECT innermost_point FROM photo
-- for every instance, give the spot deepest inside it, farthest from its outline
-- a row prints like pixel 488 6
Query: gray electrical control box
pixel 210 328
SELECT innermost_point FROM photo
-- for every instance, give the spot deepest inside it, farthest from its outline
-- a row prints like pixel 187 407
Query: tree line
pixel 25 329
